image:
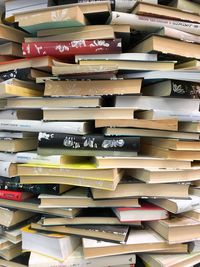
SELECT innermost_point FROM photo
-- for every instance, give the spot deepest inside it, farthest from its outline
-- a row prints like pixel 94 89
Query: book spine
pixel 35 189
pixel 39 126
pixel 148 24
pixel 4 168
pixel 185 89
pixel 71 48
pixel 11 195
pixel 88 142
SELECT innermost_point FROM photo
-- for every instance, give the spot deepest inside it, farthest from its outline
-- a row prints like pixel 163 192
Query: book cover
pixel 14 195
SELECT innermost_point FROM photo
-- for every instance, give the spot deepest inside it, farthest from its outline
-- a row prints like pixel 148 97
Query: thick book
pixel 44 243
pixel 21 114
pixel 189 126
pixel 17 145
pixel 150 24
pixel 11 49
pixel 94 216
pixel 177 229
pixel 39 126
pixel 112 233
pixel 165 45
pixel 7 168
pixel 89 142
pixel 80 198
pixel 172 88
pixel 135 188
pixel 171 260
pixel 14 195
pixel 177 206
pixel 138 241
pixel 11 34
pixel 143 8
pixel 147 212
pixel 45 20
pixel 77 259
pixel 92 88
pixel 67 49
pixel 157 103
pixel 13 184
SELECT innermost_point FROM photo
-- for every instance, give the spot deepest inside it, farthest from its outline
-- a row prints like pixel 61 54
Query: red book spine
pixel 71 48
pixel 11 195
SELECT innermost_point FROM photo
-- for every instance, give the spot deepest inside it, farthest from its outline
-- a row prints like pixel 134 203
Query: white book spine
pixel 184 36
pixel 8 114
pixel 39 126
pixel 151 23
pixel 4 168
pixel 187 205
pixel 181 116
pixel 29 157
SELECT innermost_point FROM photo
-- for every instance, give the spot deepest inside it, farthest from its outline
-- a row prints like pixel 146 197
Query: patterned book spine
pixel 64 49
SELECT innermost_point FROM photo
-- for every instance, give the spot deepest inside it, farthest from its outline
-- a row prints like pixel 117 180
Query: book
pixel 10 34
pixel 176 230
pixel 60 114
pixel 13 216
pixel 156 151
pixel 38 126
pixel 140 162
pixel 67 49
pixel 43 63
pixel 94 216
pixel 33 158
pixel 75 170
pixel 89 142
pixel 11 49
pixel 155 175
pixel 147 212
pixel 75 181
pixel 90 32
pixel 14 235
pixel 11 252
pixel 17 135
pixel 172 88
pixel 157 103
pixel 92 88
pixel 45 20
pixel 126 65
pixel 194 246
pixel 138 241
pixel 177 34
pixel 169 260
pixel 118 57
pixel 155 43
pixel 54 102
pixel 190 65
pixel 79 198
pixel 150 24
pixel 45 244
pixel 157 75
pixel 15 145
pixel 13 184
pixel 22 114
pixel 186 5
pixel 14 195
pixel 162 124
pixel 189 126
pixel 180 115
pixel 144 8
pixel 134 188
pixel 13 87
pixel 177 205
pixel 173 144
pixel 195 191
pixel 112 233
pixel 32 206
pixel 150 133
pixel 193 214
pixel 8 169
pixel 77 258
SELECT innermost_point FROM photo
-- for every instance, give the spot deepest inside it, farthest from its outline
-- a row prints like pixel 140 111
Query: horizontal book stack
pixel 99 133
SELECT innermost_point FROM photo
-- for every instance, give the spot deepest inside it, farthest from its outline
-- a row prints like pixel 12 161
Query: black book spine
pixel 13 184
pixel 185 89
pixel 89 142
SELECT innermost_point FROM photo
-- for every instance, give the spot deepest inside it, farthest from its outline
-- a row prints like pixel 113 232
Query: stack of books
pixel 99 133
